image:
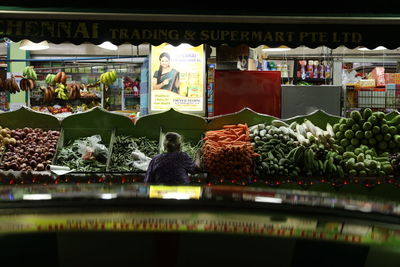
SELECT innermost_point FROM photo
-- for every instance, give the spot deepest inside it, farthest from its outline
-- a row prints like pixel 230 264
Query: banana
pixel 114 75
pixel 108 78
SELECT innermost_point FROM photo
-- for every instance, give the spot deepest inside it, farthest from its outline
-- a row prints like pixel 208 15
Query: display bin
pixel 26 117
pixel 97 121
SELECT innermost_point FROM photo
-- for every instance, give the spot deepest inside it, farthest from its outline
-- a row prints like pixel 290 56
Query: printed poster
pixel 177 78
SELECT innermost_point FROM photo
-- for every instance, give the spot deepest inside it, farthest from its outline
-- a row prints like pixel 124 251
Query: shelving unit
pixel 111 98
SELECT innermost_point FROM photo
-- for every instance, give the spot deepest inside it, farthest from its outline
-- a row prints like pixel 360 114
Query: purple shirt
pixel 170 168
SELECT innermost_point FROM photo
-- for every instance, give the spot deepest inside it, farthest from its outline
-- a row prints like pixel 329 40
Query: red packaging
pixel 378 74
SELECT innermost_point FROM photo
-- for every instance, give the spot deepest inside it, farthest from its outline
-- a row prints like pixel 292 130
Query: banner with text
pixel 177 78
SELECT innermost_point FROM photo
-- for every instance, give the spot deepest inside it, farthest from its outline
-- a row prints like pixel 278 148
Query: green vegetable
pixel 368 134
pixel 387 137
pixel 382 145
pixel 350 122
pixel 339 135
pixel 367 113
pixel 367 126
pixel 376 129
pixel 349 154
pixel 379 137
pixel 392 130
pixel 373 120
pixel 395 121
pixel 121 159
pixel 359 134
pixel 336 127
pixel 355 142
pixel 355 127
pixel 372 141
pixel 379 114
pixel 397 138
pixel 360 157
pixel 384 128
pixel 355 115
pixel 70 155
pixel 349 134
pixel 345 142
pixel 343 127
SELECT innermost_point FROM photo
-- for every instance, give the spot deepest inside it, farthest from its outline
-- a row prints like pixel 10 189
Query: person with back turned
pixel 173 166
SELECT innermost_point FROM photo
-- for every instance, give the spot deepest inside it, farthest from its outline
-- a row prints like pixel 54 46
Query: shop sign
pixel 253 34
pixel 177 78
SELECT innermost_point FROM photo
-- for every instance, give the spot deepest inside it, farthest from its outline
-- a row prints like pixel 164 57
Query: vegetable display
pixel 30 149
pixel 228 153
pixel 84 154
pixel 273 143
pixel 366 140
pixel 121 159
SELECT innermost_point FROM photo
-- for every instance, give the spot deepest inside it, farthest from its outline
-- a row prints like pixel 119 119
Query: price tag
pixel 175 192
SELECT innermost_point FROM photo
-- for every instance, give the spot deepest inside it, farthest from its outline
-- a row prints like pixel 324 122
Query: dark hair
pixel 163 54
pixel 172 142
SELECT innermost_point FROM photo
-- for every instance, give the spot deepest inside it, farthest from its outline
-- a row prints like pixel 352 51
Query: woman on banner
pixel 166 77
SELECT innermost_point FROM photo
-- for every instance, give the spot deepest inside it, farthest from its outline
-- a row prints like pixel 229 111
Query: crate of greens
pixel 122 159
pixel 85 154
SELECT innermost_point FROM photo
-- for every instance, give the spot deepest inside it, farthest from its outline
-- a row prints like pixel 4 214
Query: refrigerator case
pixel 257 90
pixel 299 100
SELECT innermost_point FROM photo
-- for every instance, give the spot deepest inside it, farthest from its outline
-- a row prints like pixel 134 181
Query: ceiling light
pixel 268 199
pixel 281 48
pixel 107 45
pixel 36 196
pixel 29 45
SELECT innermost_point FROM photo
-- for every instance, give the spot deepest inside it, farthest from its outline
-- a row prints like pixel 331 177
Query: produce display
pixel 191 148
pixel 86 154
pixel 228 153
pixel 121 157
pixel 5 138
pixel 295 149
pixel 30 149
pixel 108 77
pixel 366 140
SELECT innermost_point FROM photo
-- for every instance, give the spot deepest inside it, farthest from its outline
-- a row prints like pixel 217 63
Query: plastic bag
pixel 90 149
pixel 140 160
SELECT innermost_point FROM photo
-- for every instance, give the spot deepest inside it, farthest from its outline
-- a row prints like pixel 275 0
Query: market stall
pixel 312 160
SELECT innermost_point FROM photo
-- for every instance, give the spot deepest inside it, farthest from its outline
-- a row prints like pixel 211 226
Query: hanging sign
pixel 195 33
pixel 177 78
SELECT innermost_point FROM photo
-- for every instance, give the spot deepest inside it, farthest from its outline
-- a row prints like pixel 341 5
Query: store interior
pixel 300 66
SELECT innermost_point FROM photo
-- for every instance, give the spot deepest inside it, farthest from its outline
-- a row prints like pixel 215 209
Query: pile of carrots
pixel 228 153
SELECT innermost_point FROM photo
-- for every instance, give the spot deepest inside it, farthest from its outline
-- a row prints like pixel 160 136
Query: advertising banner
pixel 177 78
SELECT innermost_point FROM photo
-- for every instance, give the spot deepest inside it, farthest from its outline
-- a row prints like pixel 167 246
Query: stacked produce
pixel 30 149
pixel 273 143
pixel 121 159
pixel 84 154
pixel 295 149
pixel 10 85
pixel 5 138
pixel 29 73
pixel 108 77
pixel 228 153
pixel 365 140
pixel 74 90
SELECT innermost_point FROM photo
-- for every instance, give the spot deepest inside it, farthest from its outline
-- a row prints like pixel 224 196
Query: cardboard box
pixel 366 83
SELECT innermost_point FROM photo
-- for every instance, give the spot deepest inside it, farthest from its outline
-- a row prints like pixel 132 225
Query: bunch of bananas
pixel 60 91
pixel 29 73
pixel 108 77
pixel 10 85
pixel 50 79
